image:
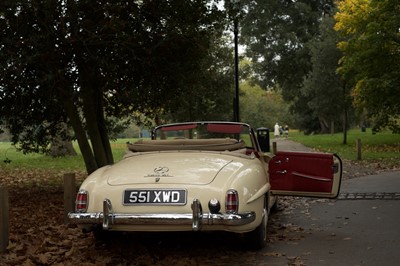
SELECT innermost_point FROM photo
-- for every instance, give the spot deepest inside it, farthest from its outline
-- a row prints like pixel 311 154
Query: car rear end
pixel 197 191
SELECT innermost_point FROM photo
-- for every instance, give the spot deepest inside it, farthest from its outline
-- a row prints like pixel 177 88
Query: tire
pixel 275 206
pixel 257 238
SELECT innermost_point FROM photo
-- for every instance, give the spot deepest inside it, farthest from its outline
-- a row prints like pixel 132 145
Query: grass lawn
pixel 40 161
pixel 383 146
pixel 379 146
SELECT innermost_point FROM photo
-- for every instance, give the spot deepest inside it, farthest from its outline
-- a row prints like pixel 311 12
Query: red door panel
pixel 305 174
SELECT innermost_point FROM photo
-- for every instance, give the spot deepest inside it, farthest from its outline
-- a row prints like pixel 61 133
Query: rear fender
pixel 260 193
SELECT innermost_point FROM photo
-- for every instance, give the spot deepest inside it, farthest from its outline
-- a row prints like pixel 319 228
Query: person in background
pixel 286 129
pixel 276 130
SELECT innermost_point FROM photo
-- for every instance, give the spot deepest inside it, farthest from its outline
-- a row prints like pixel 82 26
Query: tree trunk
pixel 61 148
pixel 324 125
pixel 81 136
pixel 99 154
pixel 66 97
pixel 92 100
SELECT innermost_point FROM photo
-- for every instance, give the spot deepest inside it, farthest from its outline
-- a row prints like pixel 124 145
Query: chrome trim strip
pixel 194 219
pixel 316 178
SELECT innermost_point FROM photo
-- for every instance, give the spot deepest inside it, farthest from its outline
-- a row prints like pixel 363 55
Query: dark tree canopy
pixel 81 62
pixel 277 35
pixel 328 92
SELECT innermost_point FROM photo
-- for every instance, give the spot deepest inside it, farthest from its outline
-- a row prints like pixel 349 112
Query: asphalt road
pixel 345 231
pixel 359 228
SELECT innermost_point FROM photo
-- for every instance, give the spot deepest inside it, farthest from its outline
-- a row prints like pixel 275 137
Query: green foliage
pixel 323 86
pixel 371 57
pixel 81 62
pixel 261 108
pixel 284 41
pixel 275 33
pixel 208 94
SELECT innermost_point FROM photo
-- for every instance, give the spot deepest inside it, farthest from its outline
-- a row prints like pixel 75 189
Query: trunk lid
pixel 167 168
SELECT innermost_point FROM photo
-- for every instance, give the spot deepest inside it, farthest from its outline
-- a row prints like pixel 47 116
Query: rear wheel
pixel 257 238
pixel 275 206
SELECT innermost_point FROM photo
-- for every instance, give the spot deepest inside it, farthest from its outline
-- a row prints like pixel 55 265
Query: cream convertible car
pixel 201 176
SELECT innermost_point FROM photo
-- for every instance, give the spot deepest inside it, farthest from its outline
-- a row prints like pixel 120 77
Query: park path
pixel 285 144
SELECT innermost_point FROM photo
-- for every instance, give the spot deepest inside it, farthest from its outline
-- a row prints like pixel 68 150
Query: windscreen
pixel 205 131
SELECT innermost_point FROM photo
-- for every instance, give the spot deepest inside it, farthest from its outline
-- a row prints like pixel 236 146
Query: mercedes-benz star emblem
pixel 161 170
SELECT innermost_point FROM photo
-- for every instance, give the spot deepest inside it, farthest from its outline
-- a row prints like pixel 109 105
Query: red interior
pixel 224 128
pixel 179 127
pixel 285 168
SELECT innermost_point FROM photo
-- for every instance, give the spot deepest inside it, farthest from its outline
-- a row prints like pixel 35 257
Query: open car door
pixel 305 174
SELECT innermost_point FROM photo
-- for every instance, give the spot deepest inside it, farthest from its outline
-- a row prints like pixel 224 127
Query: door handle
pixel 286 160
pixel 281 172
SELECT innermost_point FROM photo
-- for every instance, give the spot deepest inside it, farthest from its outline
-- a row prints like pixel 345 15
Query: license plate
pixel 154 197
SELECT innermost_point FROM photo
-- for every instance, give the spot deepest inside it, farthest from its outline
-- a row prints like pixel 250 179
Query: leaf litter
pixel 38 235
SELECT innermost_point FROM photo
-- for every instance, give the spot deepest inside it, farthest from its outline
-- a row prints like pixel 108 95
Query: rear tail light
pixel 232 201
pixel 81 202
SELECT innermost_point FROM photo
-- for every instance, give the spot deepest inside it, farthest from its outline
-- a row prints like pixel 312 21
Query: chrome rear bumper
pixel 196 219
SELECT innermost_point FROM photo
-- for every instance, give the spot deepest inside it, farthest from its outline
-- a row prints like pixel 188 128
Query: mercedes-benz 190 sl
pixel 208 176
